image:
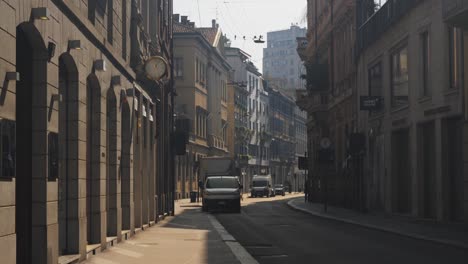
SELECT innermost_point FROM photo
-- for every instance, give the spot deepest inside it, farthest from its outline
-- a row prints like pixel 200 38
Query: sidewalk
pixel 189 237
pixel 448 234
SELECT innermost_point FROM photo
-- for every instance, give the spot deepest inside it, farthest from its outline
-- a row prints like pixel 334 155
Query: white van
pixel 222 192
pixel 261 186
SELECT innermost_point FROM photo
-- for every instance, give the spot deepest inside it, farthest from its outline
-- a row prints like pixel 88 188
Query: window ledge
pixel 399 109
pixel 376 115
pixel 451 91
pixel 6 179
pixel 424 99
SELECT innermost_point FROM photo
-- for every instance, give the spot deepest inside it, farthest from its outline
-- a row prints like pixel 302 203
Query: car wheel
pixel 238 207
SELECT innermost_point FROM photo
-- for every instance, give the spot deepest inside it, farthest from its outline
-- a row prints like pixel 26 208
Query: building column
pixel 439 177
pixel 414 168
pixel 465 127
pixel 137 163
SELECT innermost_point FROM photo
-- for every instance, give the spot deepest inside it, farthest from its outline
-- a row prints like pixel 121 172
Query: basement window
pixel 8 147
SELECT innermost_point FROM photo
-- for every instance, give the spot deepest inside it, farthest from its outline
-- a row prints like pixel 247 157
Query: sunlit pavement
pixel 189 237
pixel 247 200
pixel 274 233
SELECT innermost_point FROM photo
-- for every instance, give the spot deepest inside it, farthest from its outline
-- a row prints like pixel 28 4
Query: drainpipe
pixel 172 154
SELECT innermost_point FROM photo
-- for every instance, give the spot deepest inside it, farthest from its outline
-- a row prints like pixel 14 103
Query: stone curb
pixel 379 228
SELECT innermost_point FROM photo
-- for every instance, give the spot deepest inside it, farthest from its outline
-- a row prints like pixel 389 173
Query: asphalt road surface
pixel 273 233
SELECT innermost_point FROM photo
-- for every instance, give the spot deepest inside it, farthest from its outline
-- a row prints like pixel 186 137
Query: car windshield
pixel 260 183
pixel 222 182
pixel 278 185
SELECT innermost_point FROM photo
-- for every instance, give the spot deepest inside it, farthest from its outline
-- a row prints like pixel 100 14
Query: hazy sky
pixel 247 18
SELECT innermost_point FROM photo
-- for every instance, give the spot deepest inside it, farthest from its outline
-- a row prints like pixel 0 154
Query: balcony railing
pixel 302 44
pixel 455 12
pixel 317 76
pixel 390 13
pixel 314 102
pixel 216 142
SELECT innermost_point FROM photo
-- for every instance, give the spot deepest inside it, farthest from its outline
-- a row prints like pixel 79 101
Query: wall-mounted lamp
pixel 100 65
pixel 9 76
pixel 12 76
pixel 53 99
pixel 116 80
pixel 57 97
pixel 74 44
pixel 41 13
pixel 51 50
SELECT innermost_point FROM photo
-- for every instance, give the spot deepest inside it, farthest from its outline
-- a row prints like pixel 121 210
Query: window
pixel 375 80
pixel 53 156
pixel 179 67
pixel 425 63
pixel 453 57
pixel 399 77
pixel 124 29
pixel 8 146
pixel 197 66
pixel 110 21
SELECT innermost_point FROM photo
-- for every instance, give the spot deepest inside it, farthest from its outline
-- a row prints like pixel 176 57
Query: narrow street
pixel 274 233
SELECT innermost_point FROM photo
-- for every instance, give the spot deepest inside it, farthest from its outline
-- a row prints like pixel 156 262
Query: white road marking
pixel 237 249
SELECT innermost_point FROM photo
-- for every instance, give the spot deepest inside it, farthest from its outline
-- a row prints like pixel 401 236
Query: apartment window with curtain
pixel 425 64
pixel 454 53
pixel 178 67
pixel 399 77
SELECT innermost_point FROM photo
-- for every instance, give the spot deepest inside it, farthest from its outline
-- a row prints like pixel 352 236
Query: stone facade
pixel 415 161
pixel 79 127
pixel 455 14
pixel 331 96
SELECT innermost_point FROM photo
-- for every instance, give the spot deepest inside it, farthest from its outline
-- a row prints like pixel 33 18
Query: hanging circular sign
pixel 325 143
pixel 156 68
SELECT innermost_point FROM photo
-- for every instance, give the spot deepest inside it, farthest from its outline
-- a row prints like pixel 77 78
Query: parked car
pixel 280 189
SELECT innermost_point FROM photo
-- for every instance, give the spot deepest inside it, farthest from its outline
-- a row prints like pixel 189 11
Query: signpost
pixel 371 103
pixel 326 158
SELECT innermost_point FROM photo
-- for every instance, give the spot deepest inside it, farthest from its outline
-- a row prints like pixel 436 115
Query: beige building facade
pixel 201 81
pixel 78 126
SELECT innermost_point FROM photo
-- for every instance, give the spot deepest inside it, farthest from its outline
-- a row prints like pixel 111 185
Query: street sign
pixel 302 163
pixel 371 103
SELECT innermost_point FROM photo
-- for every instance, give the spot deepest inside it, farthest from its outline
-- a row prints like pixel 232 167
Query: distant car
pixel 280 189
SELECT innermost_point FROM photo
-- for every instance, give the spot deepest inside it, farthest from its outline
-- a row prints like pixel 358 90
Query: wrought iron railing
pixel 391 12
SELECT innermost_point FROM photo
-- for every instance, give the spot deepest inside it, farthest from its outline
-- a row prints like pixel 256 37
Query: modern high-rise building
pixel 280 58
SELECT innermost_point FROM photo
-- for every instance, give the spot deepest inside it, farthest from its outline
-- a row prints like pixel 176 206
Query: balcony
pixel 312 103
pixel 302 44
pixel 455 12
pixel 390 13
pixel 317 77
pixel 216 142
